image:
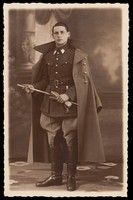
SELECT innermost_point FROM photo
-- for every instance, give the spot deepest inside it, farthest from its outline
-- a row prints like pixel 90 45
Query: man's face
pixel 60 35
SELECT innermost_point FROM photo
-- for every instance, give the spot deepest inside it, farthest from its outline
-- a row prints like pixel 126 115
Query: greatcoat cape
pixel 90 146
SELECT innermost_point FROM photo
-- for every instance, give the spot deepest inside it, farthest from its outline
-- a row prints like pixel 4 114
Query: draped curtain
pixel 43 16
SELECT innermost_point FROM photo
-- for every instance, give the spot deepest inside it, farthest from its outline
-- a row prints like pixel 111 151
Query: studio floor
pixel 92 180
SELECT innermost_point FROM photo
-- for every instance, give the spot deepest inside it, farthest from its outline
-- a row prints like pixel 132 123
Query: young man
pixel 71 109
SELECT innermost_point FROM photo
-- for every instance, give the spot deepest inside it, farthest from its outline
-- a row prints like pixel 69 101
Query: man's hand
pixel 62 98
pixel 28 88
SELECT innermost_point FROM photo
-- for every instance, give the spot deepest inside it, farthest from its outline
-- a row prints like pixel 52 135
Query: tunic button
pixel 56 65
pixel 85 81
pixel 85 72
pixel 57 52
pixel 84 63
pixel 57 58
pixel 56 72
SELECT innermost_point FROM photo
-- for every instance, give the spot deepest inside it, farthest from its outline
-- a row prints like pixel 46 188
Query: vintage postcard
pixel 66 99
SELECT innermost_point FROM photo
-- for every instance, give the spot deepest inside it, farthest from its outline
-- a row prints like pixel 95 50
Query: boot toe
pixel 39 184
pixel 71 183
pixel 71 188
pixel 44 183
pixel 50 181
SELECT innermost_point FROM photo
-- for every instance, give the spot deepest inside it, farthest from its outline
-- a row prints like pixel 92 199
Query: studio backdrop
pixel 101 31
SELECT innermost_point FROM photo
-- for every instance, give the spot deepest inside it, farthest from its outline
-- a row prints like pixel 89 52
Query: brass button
pixel 84 63
pixel 57 58
pixel 85 81
pixel 56 72
pixel 85 72
pixel 56 65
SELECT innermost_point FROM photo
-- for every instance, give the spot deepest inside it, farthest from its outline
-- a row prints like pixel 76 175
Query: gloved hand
pixel 28 88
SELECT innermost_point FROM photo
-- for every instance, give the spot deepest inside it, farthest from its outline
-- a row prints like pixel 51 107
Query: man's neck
pixel 62 45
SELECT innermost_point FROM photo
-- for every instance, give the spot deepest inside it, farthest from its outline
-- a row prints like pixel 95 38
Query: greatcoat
pixel 90 145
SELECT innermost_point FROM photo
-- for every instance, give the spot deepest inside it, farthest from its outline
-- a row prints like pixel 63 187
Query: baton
pixel 67 103
pixel 22 86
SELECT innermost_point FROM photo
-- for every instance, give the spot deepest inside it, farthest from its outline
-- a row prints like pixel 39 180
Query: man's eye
pixel 56 33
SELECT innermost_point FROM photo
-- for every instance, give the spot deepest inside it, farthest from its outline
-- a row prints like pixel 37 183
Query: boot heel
pixel 58 181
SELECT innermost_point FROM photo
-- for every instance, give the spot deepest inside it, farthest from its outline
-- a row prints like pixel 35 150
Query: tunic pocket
pixel 66 69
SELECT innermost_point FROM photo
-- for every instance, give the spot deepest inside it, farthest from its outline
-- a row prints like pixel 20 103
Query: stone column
pixel 25 59
pixel 25 40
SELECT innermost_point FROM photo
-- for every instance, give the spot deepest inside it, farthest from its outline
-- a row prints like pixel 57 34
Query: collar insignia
pixel 62 51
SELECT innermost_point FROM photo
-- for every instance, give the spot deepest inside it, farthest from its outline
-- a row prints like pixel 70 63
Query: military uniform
pixel 55 118
pixel 62 71
pixel 58 72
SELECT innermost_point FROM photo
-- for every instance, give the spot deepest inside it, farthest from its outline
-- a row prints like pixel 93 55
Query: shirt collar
pixel 61 49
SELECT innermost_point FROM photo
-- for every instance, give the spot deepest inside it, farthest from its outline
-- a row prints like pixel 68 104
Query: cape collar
pixel 44 48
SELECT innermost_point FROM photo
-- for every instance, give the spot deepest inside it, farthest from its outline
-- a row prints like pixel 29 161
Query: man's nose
pixel 59 34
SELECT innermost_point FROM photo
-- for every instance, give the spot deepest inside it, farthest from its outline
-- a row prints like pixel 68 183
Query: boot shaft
pixel 71 169
pixel 56 160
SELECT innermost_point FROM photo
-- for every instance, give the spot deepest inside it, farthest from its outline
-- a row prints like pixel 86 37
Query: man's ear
pixel 69 34
pixel 52 35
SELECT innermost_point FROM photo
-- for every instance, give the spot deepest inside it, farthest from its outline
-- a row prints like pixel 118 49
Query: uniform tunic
pixel 58 65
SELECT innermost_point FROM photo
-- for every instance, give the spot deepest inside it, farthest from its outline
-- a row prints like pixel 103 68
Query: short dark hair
pixel 60 24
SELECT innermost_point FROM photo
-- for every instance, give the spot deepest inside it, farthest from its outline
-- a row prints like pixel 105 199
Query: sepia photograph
pixel 65 99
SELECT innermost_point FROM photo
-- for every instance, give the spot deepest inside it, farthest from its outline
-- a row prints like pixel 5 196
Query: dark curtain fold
pixel 43 16
pixel 62 14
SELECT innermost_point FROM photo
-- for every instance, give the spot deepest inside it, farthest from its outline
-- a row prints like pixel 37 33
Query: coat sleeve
pixel 40 74
pixel 71 92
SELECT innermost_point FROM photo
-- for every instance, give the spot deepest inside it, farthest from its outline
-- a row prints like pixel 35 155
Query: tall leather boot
pixel 72 165
pixel 56 169
pixel 71 180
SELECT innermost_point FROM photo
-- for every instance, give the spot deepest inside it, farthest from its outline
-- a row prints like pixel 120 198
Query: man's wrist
pixel 66 97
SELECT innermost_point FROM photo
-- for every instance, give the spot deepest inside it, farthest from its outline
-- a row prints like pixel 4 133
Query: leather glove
pixel 54 95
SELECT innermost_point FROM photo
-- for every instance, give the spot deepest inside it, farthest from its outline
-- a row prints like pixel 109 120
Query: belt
pixel 57 83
